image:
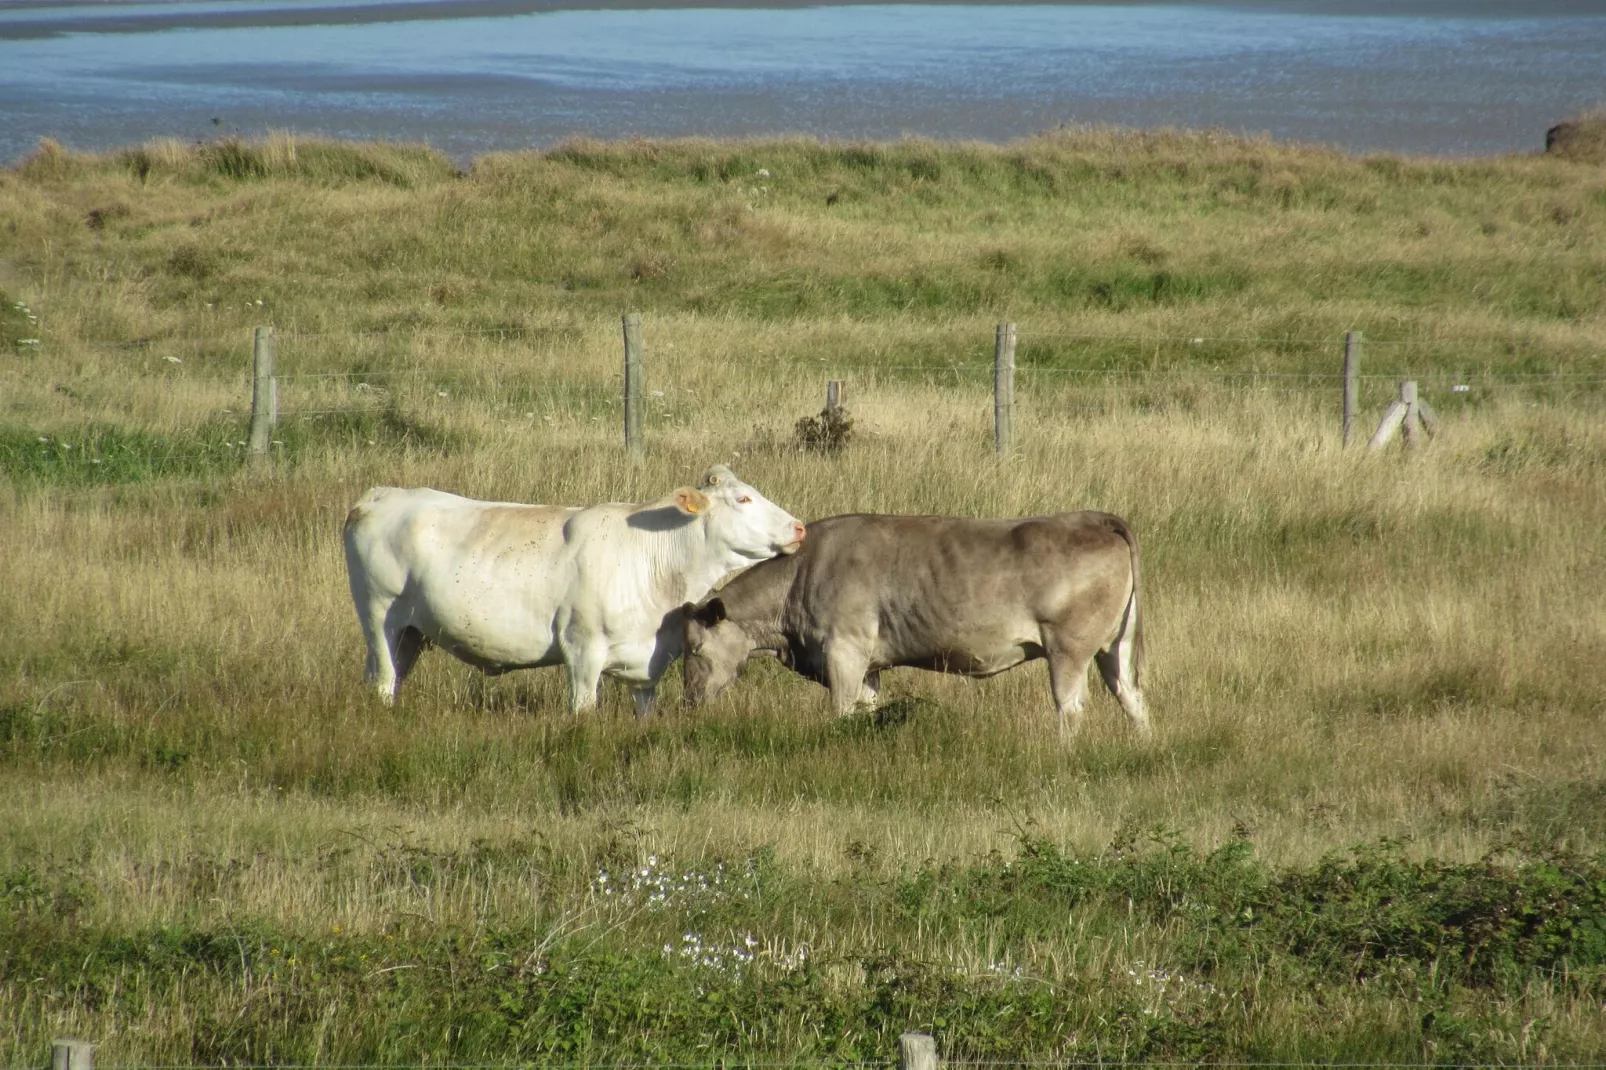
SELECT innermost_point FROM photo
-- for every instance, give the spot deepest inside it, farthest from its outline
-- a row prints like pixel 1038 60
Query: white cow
pixel 505 586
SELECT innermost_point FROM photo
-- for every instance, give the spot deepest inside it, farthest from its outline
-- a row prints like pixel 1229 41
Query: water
pixel 1441 77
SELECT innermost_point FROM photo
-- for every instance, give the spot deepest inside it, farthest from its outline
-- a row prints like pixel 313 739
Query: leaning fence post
pixel 1352 371
pixel 264 394
pixel 1402 412
pixel 69 1054
pixel 917 1051
pixel 1430 419
pixel 1003 386
pixel 634 389
pixel 1408 425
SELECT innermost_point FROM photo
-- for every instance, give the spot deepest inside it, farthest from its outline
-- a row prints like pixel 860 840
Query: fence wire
pixel 1048 388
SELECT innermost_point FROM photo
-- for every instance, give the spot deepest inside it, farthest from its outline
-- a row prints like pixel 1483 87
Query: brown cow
pixel 950 594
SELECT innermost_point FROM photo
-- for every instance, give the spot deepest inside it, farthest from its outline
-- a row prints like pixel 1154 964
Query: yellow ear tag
pixel 691 501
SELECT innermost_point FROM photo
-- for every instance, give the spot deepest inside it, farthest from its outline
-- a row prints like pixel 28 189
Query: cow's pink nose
pixel 798 531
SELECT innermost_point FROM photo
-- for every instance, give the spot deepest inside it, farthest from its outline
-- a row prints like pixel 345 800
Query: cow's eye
pixel 744 500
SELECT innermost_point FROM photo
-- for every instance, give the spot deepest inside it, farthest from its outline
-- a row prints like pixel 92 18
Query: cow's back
pixel 924 589
pixel 400 538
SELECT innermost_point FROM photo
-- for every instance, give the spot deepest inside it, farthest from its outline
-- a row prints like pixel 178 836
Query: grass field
pixel 1371 826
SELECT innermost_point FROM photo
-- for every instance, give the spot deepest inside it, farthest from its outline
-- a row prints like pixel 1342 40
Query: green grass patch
pixel 106 455
pixel 705 964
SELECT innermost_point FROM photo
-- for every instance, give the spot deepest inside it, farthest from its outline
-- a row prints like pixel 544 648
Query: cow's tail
pixel 1132 620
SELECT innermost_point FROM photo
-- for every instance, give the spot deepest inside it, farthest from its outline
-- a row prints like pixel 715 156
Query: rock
pixel 1580 140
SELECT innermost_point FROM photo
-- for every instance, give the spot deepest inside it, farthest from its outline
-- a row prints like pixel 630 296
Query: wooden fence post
pixel 1352 371
pixel 635 390
pixel 1003 387
pixel 69 1054
pixel 917 1051
pixel 835 392
pixel 264 394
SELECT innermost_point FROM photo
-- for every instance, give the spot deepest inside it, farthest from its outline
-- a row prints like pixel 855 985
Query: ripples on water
pixel 469 77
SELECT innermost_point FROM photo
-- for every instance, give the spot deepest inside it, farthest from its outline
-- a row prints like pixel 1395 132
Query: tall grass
pixel 215 848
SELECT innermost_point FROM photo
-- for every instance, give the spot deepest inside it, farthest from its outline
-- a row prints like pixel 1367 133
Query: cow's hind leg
pixel 393 650
pixel 1115 666
pixel 1068 657
pixel 379 671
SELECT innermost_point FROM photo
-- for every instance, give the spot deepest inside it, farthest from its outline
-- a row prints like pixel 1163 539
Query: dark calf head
pixel 715 647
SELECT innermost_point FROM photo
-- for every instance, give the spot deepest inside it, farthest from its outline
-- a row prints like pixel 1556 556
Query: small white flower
pixel 657 393
pixel 762 172
pixel 1460 388
pixel 440 393
pixel 1198 341
pixel 173 360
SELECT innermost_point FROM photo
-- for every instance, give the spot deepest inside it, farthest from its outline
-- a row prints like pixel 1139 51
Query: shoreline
pixel 108 20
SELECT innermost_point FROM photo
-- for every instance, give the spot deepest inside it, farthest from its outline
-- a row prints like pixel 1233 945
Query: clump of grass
pixel 19 328
pixel 50 162
pixel 829 431
pixel 319 162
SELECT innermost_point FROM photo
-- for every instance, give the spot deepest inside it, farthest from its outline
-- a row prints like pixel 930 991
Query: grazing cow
pixel 955 595
pixel 506 586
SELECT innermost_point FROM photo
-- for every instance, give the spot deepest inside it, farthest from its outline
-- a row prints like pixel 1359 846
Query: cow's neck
pixel 756 601
pixel 687 567
pixel 766 634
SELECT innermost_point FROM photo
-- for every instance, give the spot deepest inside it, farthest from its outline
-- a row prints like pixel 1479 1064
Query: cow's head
pixel 715 649
pixel 743 522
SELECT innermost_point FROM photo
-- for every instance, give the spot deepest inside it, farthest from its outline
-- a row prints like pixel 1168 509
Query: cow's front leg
pixel 845 667
pixel 665 650
pixel 584 663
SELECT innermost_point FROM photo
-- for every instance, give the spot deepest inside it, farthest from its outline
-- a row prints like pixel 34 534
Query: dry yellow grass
pixel 1344 647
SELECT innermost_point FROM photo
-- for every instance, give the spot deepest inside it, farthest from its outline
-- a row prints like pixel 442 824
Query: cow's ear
pixel 690 501
pixel 710 613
